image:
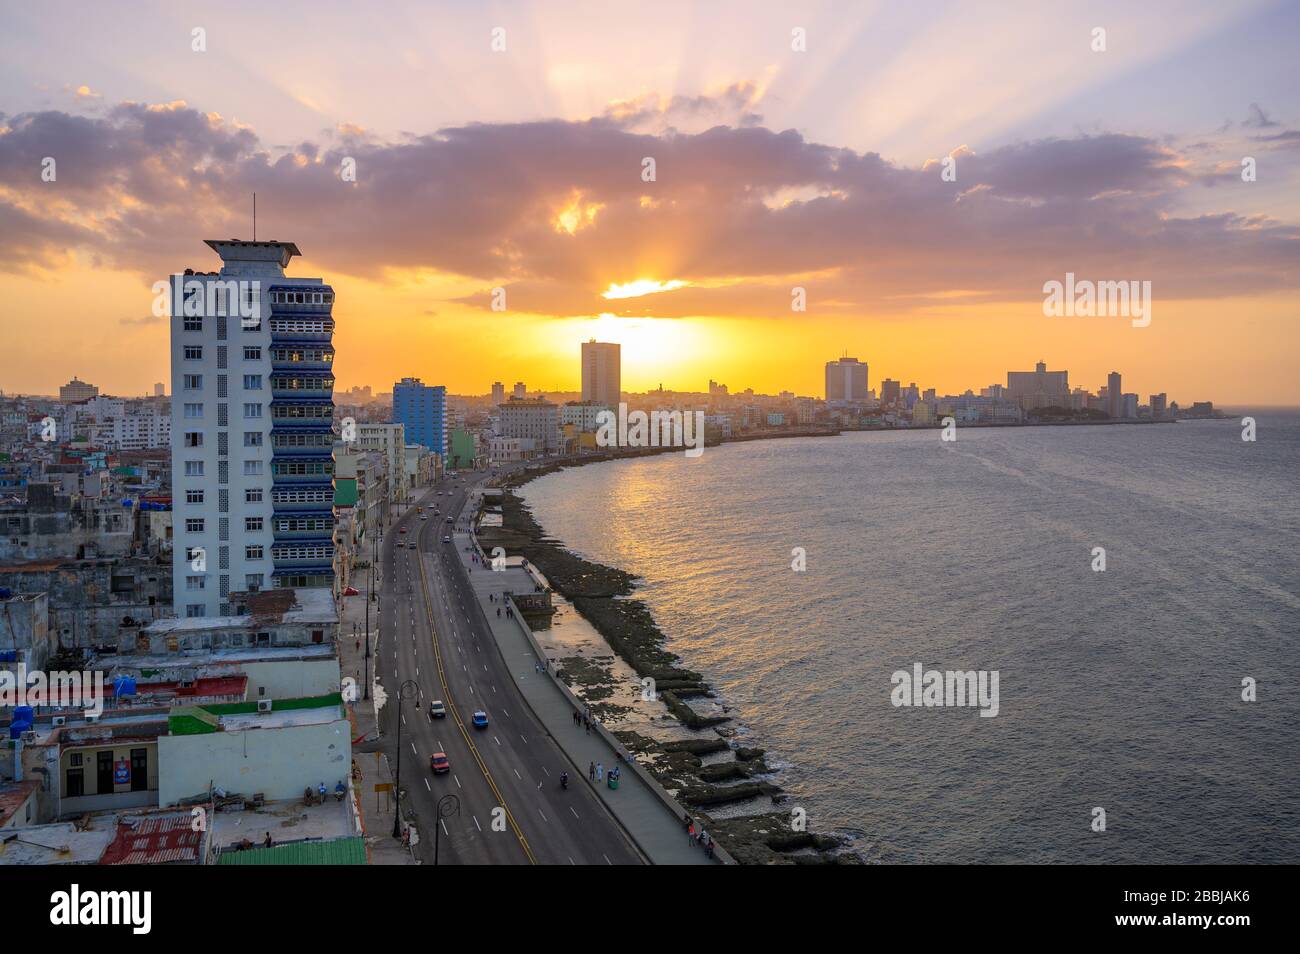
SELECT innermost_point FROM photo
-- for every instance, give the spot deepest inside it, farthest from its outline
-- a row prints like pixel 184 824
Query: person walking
pixel 600 772
pixel 591 771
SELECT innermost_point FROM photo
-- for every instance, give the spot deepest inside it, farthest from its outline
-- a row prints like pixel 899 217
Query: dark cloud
pixel 743 213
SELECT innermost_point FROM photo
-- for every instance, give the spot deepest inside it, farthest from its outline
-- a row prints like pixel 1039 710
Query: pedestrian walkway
pixel 641 806
pixel 376 807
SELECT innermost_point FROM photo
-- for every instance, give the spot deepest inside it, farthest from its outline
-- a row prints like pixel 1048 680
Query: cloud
pixel 740 213
pixel 1257 118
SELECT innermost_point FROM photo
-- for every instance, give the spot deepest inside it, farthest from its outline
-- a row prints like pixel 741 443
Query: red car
pixel 403 530
pixel 438 763
pixel 351 591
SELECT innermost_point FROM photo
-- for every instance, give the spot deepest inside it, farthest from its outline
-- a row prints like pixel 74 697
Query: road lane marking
pixel 543 814
pixel 575 814
pixel 427 785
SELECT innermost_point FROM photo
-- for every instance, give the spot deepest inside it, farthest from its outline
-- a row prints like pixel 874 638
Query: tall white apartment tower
pixel 252 428
pixel 601 372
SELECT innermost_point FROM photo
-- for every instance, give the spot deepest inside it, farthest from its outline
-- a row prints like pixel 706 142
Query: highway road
pixel 506 776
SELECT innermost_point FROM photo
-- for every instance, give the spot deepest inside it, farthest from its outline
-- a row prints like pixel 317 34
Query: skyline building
pixel 77 390
pixel 498 392
pixel 1039 387
pixel 601 372
pixel 422 409
pixel 846 380
pixel 1114 395
pixel 520 391
pixel 252 428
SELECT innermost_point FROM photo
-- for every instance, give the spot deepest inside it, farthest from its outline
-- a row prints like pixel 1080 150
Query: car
pixel 480 719
pixel 351 591
pixel 440 493
pixel 439 764
pixel 424 516
pixel 437 710
pixel 448 520
pixel 446 539
pixel 403 530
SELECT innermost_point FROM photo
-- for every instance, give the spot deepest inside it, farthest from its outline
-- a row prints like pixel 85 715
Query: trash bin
pixel 613 781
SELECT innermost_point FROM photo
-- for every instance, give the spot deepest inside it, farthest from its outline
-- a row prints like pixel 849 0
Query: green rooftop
pixel 340 851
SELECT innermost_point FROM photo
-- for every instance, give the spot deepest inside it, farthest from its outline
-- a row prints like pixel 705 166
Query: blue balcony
pixel 302 384
pixel 318 497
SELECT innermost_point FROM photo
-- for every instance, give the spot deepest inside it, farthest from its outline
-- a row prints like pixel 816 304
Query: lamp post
pixel 407 690
pixel 448 806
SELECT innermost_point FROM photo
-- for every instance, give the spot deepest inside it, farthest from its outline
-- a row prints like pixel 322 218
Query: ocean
pixel 1120 690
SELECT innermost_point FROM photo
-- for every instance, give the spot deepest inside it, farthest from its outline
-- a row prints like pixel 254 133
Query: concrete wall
pixel 279 762
pixel 292 679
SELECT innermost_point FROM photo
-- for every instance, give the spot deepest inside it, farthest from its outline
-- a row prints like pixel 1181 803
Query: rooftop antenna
pixel 254 216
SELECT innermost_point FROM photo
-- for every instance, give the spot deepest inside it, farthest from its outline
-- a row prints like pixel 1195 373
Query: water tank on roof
pixel 124 686
pixel 24 714
pixel 16 729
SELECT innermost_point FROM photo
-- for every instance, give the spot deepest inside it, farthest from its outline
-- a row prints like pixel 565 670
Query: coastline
pixel 695 769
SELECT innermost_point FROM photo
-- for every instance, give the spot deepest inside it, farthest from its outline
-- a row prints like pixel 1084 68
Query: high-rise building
pixel 77 390
pixel 252 440
pixel 890 392
pixel 1129 408
pixel 1159 405
pixel 601 375
pixel 520 391
pixel 159 389
pixel 422 408
pixel 846 380
pixel 1038 388
pixel 1114 395
pixel 498 392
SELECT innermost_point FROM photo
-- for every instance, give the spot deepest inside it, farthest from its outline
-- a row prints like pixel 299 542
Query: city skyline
pixel 765 194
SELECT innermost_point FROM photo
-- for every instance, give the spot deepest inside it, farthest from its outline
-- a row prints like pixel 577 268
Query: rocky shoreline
pixel 603 596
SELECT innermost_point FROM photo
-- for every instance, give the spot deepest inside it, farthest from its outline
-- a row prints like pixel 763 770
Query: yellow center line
pixel 451 704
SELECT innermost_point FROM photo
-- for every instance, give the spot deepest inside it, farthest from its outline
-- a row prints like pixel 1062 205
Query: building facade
pixel 252 428
pixel 422 410
pixel 601 372
pixel 846 380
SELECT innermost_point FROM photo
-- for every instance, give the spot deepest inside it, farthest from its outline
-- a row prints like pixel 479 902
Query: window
pixel 194 582
pixel 195 555
pixel 252 410
pixel 252 354
pixel 192 382
pixel 194 496
pixel 252 524
pixel 193 411
pixel 193 438
pixel 252 438
pixel 252 382
pixel 194 610
pixel 252 583
pixel 76 782
pixel 252 553
pixel 252 468
pixel 194 468
pixel 253 495
pixel 193 323
pixel 193 524
pixel 193 352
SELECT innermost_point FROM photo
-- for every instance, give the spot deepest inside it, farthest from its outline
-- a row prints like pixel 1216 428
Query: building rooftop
pixel 267 608
pixel 237 250
pixel 289 821
pixel 12 797
pixel 188 659
pixel 62 843
pixel 153 839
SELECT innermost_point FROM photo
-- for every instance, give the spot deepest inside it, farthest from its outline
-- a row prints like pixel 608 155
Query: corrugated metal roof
pixel 339 851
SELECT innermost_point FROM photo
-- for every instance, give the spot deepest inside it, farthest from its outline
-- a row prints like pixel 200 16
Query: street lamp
pixel 407 690
pixel 448 805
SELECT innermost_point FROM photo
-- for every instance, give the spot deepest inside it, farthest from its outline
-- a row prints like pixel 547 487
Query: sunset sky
pixel 775 168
